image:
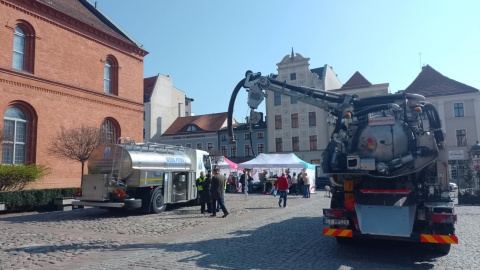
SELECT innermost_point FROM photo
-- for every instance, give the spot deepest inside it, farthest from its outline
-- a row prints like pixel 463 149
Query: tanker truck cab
pixel 142 176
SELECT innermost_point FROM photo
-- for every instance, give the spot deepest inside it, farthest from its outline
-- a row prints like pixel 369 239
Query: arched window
pixel 23 47
pixel 110 76
pixel 19 41
pixel 109 131
pixel 14 137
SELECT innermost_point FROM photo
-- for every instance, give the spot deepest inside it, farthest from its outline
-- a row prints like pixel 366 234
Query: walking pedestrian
pixel 282 186
pixel 218 184
pixel 223 197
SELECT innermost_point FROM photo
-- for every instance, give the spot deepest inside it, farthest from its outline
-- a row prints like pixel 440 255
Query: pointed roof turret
pixel 292 55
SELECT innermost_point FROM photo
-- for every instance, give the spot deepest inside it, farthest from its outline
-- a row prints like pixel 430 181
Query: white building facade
pixel 295 127
pixel 163 103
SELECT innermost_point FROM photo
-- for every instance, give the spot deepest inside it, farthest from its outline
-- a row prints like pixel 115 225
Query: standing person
pixel 300 184
pixel 242 181
pixel 218 183
pixel 293 188
pixel 289 178
pixel 206 193
pixel 306 184
pixel 199 183
pixel 262 177
pixel 249 179
pixel 282 186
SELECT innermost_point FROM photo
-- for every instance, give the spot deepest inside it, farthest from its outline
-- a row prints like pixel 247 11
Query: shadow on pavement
pixel 295 243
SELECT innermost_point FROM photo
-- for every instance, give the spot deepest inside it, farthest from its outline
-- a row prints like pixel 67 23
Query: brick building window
pixel 313 142
pixel 294 120
pixel 260 135
pixel 19 133
pixel 14 143
pixel 199 146
pixel 110 76
pixel 224 150
pixel 109 131
pixel 278 122
pixel 296 143
pixel 261 148
pixel 293 76
pixel 247 136
pixel 278 144
pixel 312 119
pixel 210 146
pixel 23 47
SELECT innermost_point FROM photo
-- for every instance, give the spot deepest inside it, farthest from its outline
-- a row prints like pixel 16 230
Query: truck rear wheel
pixel 442 249
pixel 157 202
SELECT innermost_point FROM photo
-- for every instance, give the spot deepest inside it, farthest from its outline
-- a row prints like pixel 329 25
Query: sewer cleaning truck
pixel 382 160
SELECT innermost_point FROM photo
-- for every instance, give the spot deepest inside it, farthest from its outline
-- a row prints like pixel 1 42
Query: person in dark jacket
pixel 206 197
pixel 218 184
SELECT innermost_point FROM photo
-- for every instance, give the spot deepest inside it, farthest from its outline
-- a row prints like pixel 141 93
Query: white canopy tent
pixel 276 161
pixel 280 161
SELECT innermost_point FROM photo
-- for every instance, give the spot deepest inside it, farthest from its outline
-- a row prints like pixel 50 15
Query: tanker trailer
pixel 142 176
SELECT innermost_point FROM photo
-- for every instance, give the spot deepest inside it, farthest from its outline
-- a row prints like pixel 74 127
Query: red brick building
pixel 64 64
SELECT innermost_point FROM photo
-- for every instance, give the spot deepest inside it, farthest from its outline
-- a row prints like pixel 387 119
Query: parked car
pixel 453 186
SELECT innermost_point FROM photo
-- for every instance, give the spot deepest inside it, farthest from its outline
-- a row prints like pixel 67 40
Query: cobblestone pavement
pixel 256 235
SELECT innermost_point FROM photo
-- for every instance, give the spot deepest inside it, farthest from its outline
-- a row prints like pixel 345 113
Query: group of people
pixel 211 189
pixel 285 182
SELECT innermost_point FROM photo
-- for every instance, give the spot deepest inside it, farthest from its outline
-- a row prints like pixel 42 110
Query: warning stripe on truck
pixel 337 232
pixel 438 239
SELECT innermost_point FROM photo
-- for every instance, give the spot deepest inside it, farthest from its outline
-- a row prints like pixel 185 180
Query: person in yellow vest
pixel 199 183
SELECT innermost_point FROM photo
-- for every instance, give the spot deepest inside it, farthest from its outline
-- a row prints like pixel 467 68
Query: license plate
pixel 330 221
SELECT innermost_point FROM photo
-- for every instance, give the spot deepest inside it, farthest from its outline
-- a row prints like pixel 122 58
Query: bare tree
pixel 76 143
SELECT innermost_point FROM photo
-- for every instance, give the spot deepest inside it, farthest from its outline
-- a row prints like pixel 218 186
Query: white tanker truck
pixel 142 176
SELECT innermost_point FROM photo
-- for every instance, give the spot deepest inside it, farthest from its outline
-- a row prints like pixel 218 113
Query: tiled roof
pixel 83 11
pixel 356 81
pixel 149 84
pixel 432 83
pixel 202 123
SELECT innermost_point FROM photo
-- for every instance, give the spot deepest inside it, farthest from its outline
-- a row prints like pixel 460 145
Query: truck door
pixel 179 186
pixel 192 187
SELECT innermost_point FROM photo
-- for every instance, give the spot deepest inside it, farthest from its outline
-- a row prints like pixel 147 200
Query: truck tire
pixel 343 240
pixel 157 202
pixel 442 249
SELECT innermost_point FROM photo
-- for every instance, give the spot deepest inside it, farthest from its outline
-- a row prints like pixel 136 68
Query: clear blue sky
pixel 206 46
